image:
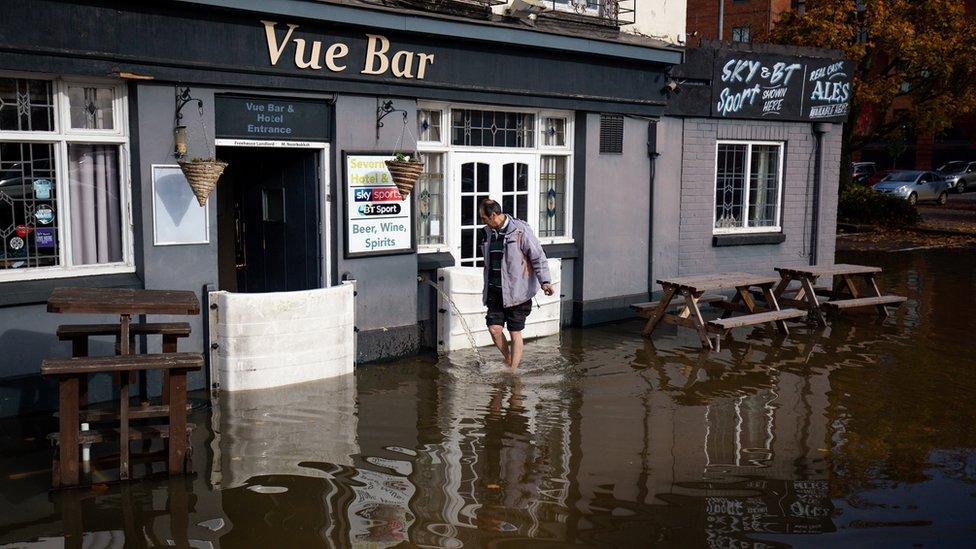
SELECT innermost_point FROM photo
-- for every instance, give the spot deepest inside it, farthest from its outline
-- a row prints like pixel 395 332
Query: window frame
pixel 781 145
pixel 61 138
pixel 451 188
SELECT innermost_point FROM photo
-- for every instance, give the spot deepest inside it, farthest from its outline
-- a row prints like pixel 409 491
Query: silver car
pixel 959 174
pixel 914 185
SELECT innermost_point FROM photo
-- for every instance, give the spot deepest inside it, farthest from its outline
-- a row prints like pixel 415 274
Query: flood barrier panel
pixel 464 286
pixel 274 339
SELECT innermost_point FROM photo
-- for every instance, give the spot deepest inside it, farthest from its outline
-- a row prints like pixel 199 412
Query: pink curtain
pixel 93 183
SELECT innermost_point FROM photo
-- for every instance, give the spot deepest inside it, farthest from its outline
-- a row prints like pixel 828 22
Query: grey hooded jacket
pixel 524 265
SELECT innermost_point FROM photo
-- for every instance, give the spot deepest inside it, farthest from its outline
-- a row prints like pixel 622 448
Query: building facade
pixel 572 124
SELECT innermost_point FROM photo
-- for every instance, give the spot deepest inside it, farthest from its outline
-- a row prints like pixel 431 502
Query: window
pixel 522 158
pixel 430 200
pixel 481 128
pixel 429 125
pixel 63 194
pixel 740 34
pixel 748 185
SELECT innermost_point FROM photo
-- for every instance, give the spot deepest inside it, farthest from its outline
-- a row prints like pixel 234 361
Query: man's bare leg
pixel 498 336
pixel 517 346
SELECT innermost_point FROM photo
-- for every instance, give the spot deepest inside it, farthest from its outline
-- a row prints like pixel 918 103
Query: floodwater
pixel 861 434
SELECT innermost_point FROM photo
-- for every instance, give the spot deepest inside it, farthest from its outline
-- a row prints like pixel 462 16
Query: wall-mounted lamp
pixel 179 130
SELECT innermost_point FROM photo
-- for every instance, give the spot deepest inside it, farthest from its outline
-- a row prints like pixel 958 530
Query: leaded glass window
pixel 480 128
pixel 63 197
pixel 552 196
pixel 91 107
pixel 26 105
pixel 429 125
pixel 430 200
pixel 554 132
pixel 28 206
pixel 748 182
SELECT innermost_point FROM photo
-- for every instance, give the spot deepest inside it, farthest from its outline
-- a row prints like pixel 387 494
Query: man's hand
pixel 547 288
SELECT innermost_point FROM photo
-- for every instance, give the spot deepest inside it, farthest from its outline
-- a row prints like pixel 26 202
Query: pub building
pixel 631 158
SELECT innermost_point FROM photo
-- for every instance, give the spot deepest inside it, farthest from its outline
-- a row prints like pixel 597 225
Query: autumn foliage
pixel 916 61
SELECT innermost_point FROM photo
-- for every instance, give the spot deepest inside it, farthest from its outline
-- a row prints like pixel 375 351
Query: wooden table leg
pixel 873 287
pixel 68 429
pixel 658 314
pixel 177 421
pixel 691 301
pixel 124 381
pixel 784 283
pixel 811 296
pixel 733 303
pixel 771 301
pixel 169 346
pixel 851 287
pixel 743 293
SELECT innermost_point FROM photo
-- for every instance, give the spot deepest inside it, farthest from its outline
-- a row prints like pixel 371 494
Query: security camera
pixel 671 87
pixel 526 9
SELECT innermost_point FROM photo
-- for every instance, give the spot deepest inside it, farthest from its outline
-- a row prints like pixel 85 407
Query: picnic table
pixel 689 293
pixel 844 294
pixel 72 373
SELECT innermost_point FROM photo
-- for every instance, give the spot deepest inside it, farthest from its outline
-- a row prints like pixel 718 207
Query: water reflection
pixel 859 433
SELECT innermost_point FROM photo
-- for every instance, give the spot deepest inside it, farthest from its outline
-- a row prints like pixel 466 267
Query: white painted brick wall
pixel 696 253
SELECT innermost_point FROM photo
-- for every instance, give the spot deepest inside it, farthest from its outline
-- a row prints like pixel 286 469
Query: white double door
pixel 506 178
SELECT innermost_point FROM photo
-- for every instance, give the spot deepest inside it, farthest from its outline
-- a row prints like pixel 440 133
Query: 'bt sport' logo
pixel 378 194
pixel 379 209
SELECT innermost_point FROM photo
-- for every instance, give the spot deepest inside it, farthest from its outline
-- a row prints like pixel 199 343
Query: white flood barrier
pixel 464 286
pixel 274 339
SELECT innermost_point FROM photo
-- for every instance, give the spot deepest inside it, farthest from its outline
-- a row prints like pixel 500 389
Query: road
pixel 958 214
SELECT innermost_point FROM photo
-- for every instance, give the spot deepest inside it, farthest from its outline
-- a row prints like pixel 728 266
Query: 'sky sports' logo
pixel 378 194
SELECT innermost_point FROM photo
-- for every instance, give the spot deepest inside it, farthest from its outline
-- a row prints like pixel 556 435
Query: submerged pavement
pixel 863 433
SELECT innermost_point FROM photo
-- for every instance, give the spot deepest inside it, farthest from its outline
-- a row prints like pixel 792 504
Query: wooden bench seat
pixel 647 309
pixel 96 415
pixel 136 432
pixel 884 300
pixel 121 363
pixel 725 324
pixel 67 332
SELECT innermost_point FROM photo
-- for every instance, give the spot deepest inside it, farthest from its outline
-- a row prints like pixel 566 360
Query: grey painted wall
pixel 667 199
pixel 617 209
pixel 694 203
pixel 386 285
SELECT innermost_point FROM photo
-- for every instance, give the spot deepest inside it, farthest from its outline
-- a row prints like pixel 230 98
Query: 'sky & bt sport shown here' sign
pixel 777 87
pixel 379 220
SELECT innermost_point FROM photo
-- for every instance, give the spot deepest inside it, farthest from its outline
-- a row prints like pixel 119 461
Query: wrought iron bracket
pixel 383 110
pixel 182 98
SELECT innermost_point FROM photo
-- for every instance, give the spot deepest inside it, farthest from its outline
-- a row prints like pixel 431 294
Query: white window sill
pixel 46 273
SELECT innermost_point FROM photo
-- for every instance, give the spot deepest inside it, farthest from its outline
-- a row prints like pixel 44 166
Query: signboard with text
pixel 271 118
pixel 379 220
pixel 781 87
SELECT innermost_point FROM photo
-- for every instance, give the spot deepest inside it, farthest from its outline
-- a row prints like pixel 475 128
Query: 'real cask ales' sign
pixel 781 87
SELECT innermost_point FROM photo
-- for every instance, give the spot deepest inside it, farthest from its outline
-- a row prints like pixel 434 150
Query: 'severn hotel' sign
pixel 310 55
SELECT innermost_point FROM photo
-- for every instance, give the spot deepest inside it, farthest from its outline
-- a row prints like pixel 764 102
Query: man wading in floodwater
pixel 515 269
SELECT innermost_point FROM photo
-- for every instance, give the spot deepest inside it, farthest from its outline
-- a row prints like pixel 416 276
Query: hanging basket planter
pixel 202 175
pixel 405 173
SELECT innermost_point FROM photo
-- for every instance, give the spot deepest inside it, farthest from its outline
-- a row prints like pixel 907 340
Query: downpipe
pixel 819 129
pixel 652 155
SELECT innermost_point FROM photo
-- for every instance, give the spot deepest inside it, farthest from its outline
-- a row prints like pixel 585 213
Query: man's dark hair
pixel 489 207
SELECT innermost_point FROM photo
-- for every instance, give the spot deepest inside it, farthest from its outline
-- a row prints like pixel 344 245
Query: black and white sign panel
pixel 379 220
pixel 777 87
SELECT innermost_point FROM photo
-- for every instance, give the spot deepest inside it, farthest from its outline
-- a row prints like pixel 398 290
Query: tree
pixel 916 62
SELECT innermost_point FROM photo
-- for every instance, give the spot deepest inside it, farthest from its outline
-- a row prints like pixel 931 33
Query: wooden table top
pixel 122 301
pixel 719 281
pixel 830 270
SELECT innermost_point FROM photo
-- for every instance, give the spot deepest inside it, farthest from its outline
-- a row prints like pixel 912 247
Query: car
pixel 959 174
pixel 861 172
pixel 878 176
pixel 914 186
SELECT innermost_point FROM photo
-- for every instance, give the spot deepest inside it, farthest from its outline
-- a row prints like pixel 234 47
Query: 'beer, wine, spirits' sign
pixel 379 219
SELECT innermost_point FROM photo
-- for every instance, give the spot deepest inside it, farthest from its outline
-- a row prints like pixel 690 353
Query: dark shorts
pixel 499 315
